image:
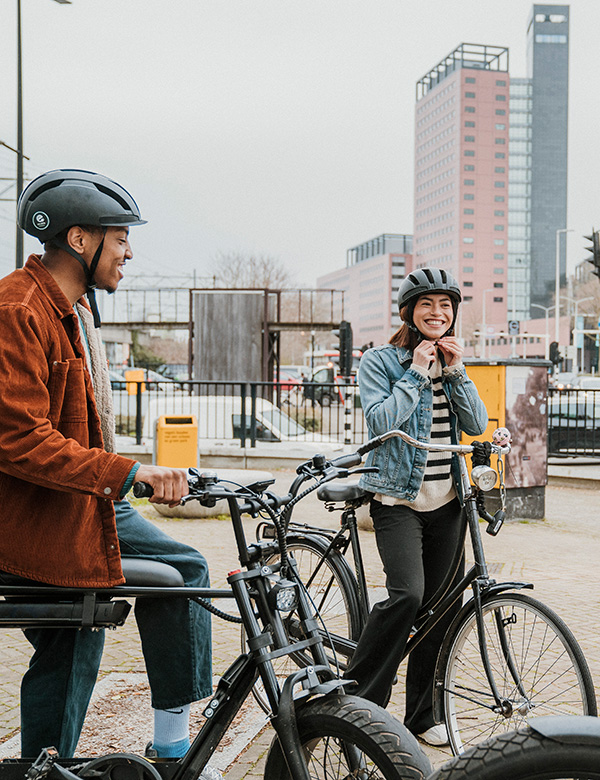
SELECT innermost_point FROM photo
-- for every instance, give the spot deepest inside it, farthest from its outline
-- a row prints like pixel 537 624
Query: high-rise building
pixel 370 283
pixel 461 175
pixel 548 71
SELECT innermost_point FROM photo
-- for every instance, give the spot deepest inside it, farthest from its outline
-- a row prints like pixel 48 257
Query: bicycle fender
pixel 571 729
pixel 438 684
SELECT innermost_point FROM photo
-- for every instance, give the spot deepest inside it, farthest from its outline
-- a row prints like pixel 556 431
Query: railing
pixel 246 412
pixel 573 422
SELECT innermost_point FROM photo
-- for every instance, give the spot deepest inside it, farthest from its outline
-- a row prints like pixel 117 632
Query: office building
pixel 370 283
pixel 461 176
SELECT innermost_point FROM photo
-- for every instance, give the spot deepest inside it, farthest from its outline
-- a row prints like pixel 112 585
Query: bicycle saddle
pixel 340 491
pixel 142 572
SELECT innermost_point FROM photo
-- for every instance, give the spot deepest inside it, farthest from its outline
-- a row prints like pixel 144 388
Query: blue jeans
pixel 176 642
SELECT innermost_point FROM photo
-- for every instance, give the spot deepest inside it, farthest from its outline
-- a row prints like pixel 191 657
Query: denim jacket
pixel 395 396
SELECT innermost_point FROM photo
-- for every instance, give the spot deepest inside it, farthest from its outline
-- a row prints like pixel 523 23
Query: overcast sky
pixel 279 127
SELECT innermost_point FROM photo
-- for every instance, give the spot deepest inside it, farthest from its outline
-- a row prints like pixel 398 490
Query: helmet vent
pixel 429 275
pixel 44 188
pixel 444 277
pixel 112 194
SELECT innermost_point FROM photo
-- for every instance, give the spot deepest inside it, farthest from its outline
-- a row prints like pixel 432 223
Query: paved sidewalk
pixel 559 555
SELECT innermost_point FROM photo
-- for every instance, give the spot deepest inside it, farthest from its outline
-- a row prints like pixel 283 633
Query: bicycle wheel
pixel 347 737
pixel 550 675
pixel 524 755
pixel 333 592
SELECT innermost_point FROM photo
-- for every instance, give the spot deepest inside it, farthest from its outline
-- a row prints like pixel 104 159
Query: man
pixel 61 482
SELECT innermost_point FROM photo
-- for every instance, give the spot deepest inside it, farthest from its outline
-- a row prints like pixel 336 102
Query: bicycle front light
pixel 283 596
pixel 484 477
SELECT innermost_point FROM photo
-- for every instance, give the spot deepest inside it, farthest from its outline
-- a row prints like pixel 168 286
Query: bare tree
pixel 235 269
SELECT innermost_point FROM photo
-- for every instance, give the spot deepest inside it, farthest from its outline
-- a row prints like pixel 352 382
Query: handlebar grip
pixel 142 490
pixel 347 461
pixel 370 445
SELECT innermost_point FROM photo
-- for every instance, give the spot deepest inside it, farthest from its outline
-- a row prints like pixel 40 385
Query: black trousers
pixel 417 550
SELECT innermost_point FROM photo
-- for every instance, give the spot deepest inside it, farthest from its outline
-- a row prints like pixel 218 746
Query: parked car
pixel 117 380
pixel 573 424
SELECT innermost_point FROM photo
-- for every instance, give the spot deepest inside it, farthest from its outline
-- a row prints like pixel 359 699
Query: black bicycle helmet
pixel 423 281
pixel 60 199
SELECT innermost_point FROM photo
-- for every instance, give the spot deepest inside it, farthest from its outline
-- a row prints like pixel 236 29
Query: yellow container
pixel 490 381
pixel 176 441
pixel 133 376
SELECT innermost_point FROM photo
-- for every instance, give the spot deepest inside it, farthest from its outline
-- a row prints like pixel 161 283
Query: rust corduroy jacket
pixel 56 481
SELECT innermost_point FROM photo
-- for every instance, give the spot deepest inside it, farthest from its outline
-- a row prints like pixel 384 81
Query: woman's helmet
pixel 423 281
pixel 60 199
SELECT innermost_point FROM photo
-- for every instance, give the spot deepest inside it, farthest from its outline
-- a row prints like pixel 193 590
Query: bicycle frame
pixel 251 589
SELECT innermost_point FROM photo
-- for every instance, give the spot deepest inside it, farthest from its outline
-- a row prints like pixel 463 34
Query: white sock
pixel 172 731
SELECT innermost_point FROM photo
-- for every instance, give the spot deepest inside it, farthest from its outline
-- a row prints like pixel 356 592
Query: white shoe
pixel 436 736
pixel 210 773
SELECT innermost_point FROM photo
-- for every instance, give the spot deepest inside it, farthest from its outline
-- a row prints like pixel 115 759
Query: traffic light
pixel 344 334
pixel 555 356
pixel 595 250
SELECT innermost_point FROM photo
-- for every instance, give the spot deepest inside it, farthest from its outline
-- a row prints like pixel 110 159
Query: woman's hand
pixel 451 349
pixel 424 354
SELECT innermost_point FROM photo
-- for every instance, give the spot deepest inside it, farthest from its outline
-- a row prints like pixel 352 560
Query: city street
pixel 559 555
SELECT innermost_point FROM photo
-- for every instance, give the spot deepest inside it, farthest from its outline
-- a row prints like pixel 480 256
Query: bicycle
pixel 320 731
pixel 504 656
pixel 549 748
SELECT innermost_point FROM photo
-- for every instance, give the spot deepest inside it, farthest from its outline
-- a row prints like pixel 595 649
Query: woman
pixel 417 384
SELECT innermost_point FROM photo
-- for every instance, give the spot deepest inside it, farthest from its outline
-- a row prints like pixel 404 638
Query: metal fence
pixel 573 422
pixel 251 412
pixel 248 412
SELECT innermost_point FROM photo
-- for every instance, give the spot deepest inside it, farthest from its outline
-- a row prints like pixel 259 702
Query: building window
pixel 500 83
pixel 469 109
pixel 500 140
pixel 469 182
pixel 500 112
pixel 498 270
pixel 469 167
pixel 500 127
pixel 469 80
pixel 498 242
pixel 498 300
pixel 468 298
pixel 550 38
pixel 469 94
pixel 467 284
pixel 498 213
pixel 500 155
pixel 499 184
pixel 468 240
pixel 499 257
pixel 499 170
pixel 469 152
pixel 500 97
pixel 498 227
pixel 468 269
pixel 468 211
pixel 499 284
pixel 469 124
pixel 468 226
pixel 499 198
pixel 470 139
pixel 469 196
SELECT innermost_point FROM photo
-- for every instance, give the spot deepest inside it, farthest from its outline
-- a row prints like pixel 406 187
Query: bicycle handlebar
pixel 463 449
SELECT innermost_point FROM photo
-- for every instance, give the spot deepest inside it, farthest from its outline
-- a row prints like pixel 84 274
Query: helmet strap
pixel 89 273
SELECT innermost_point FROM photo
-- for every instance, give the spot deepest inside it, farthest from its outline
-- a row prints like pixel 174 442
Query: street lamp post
pixel 546 310
pixel 484 326
pixel 20 155
pixel 557 283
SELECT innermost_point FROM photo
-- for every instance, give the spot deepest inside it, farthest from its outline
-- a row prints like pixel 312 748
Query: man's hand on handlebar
pixel 169 485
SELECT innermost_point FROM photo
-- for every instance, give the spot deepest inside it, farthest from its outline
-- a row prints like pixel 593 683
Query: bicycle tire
pixel 344 736
pixel 334 592
pixel 523 755
pixel 554 673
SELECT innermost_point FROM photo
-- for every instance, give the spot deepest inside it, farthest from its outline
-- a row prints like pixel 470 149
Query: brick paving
pixel 559 555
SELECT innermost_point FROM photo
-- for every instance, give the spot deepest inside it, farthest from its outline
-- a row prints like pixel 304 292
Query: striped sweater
pixel 437 488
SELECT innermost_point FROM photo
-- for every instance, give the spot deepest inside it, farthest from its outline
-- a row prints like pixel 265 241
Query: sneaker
pixel 436 736
pixel 210 773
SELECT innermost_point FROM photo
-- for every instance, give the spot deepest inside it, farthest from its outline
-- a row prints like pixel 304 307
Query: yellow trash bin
pixel 176 441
